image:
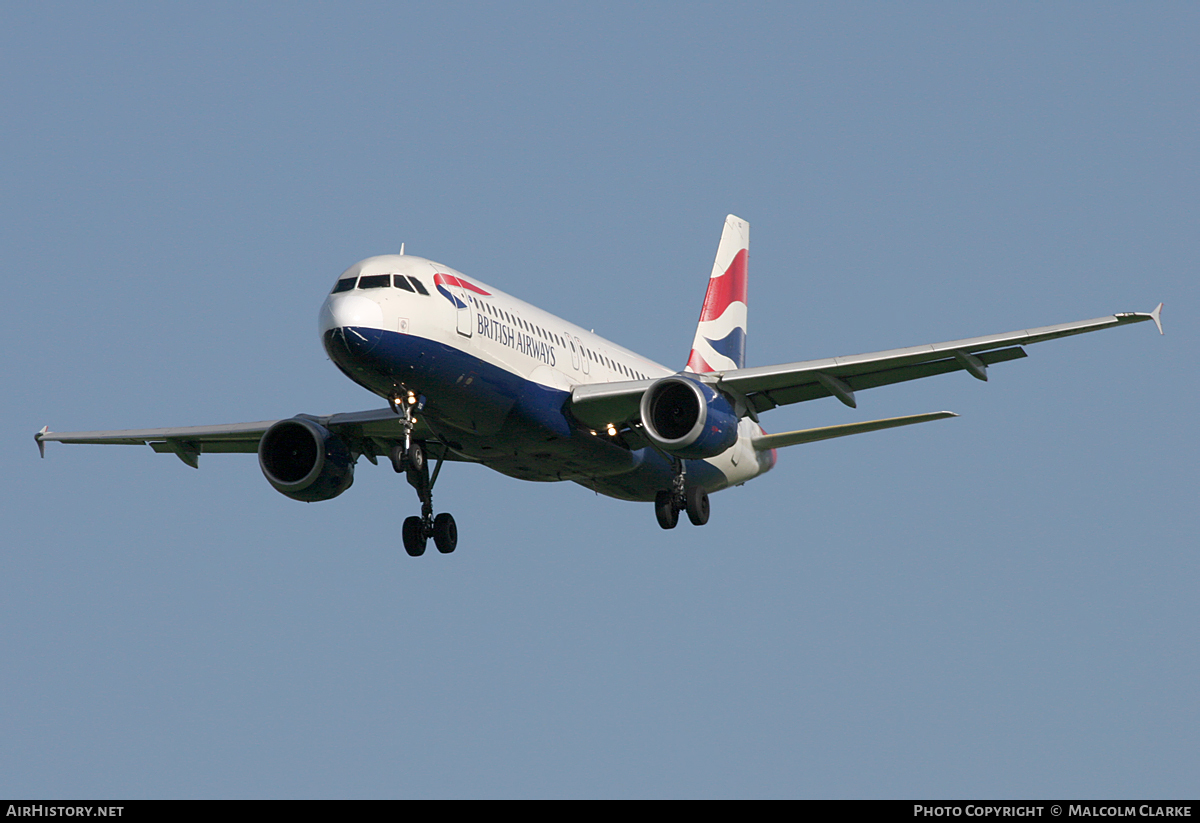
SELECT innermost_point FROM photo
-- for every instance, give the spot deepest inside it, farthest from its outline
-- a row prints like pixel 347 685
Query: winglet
pixel 1156 317
pixel 1139 316
pixel 41 443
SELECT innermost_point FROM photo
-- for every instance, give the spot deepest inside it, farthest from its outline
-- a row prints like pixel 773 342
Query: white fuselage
pixel 407 322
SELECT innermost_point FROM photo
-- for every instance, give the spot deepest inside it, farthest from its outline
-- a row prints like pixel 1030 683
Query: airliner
pixel 472 374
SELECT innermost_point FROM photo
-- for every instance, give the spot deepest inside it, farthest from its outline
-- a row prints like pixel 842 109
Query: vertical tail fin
pixel 720 342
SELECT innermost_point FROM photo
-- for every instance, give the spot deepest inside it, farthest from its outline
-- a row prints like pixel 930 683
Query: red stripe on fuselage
pixel 451 280
pixel 730 287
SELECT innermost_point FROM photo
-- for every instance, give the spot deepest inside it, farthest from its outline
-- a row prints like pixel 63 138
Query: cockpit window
pixel 344 285
pixel 401 282
pixel 375 281
pixel 419 285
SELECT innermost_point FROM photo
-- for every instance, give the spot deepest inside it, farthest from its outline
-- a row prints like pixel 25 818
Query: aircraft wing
pixel 765 387
pixel 370 433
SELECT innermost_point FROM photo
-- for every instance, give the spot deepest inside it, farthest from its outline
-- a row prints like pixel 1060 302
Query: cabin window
pixel 344 285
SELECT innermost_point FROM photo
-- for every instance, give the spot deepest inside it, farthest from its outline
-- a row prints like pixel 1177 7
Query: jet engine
pixel 688 419
pixel 305 461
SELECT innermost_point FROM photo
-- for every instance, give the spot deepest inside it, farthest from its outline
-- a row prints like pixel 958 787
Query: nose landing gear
pixel 418 529
pixel 410 459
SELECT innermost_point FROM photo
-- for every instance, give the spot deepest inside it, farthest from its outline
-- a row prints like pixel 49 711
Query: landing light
pixel 612 430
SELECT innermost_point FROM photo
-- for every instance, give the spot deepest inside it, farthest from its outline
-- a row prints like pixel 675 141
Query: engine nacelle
pixel 305 461
pixel 688 419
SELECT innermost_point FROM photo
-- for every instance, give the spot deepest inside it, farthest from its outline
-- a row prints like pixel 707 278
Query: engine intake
pixel 305 461
pixel 688 419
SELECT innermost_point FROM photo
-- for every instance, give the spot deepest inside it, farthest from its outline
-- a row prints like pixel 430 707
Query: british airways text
pixel 524 343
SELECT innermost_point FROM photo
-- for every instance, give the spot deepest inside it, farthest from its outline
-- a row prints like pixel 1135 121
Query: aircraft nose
pixel 350 327
pixel 342 311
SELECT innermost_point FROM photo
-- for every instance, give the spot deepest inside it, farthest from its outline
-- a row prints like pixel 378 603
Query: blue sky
pixel 1000 605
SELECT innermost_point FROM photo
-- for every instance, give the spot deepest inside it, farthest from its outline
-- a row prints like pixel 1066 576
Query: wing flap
pixel 211 447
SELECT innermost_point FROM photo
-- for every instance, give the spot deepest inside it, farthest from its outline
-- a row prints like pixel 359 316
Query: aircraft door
pixel 574 352
pixel 583 358
pixel 466 315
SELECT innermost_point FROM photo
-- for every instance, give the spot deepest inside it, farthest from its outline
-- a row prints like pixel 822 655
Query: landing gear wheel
pixel 445 533
pixel 396 455
pixel 697 505
pixel 665 511
pixel 414 536
pixel 414 463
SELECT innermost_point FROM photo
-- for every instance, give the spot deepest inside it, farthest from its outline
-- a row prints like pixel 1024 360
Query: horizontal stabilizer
pixel 778 441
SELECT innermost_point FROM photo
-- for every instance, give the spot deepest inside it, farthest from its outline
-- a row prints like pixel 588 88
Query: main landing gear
pixel 681 497
pixel 410 459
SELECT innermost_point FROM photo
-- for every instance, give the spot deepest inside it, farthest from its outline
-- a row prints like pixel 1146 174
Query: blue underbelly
pixel 510 424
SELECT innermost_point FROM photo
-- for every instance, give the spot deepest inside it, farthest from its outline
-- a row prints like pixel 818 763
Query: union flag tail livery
pixel 720 343
pixel 473 375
